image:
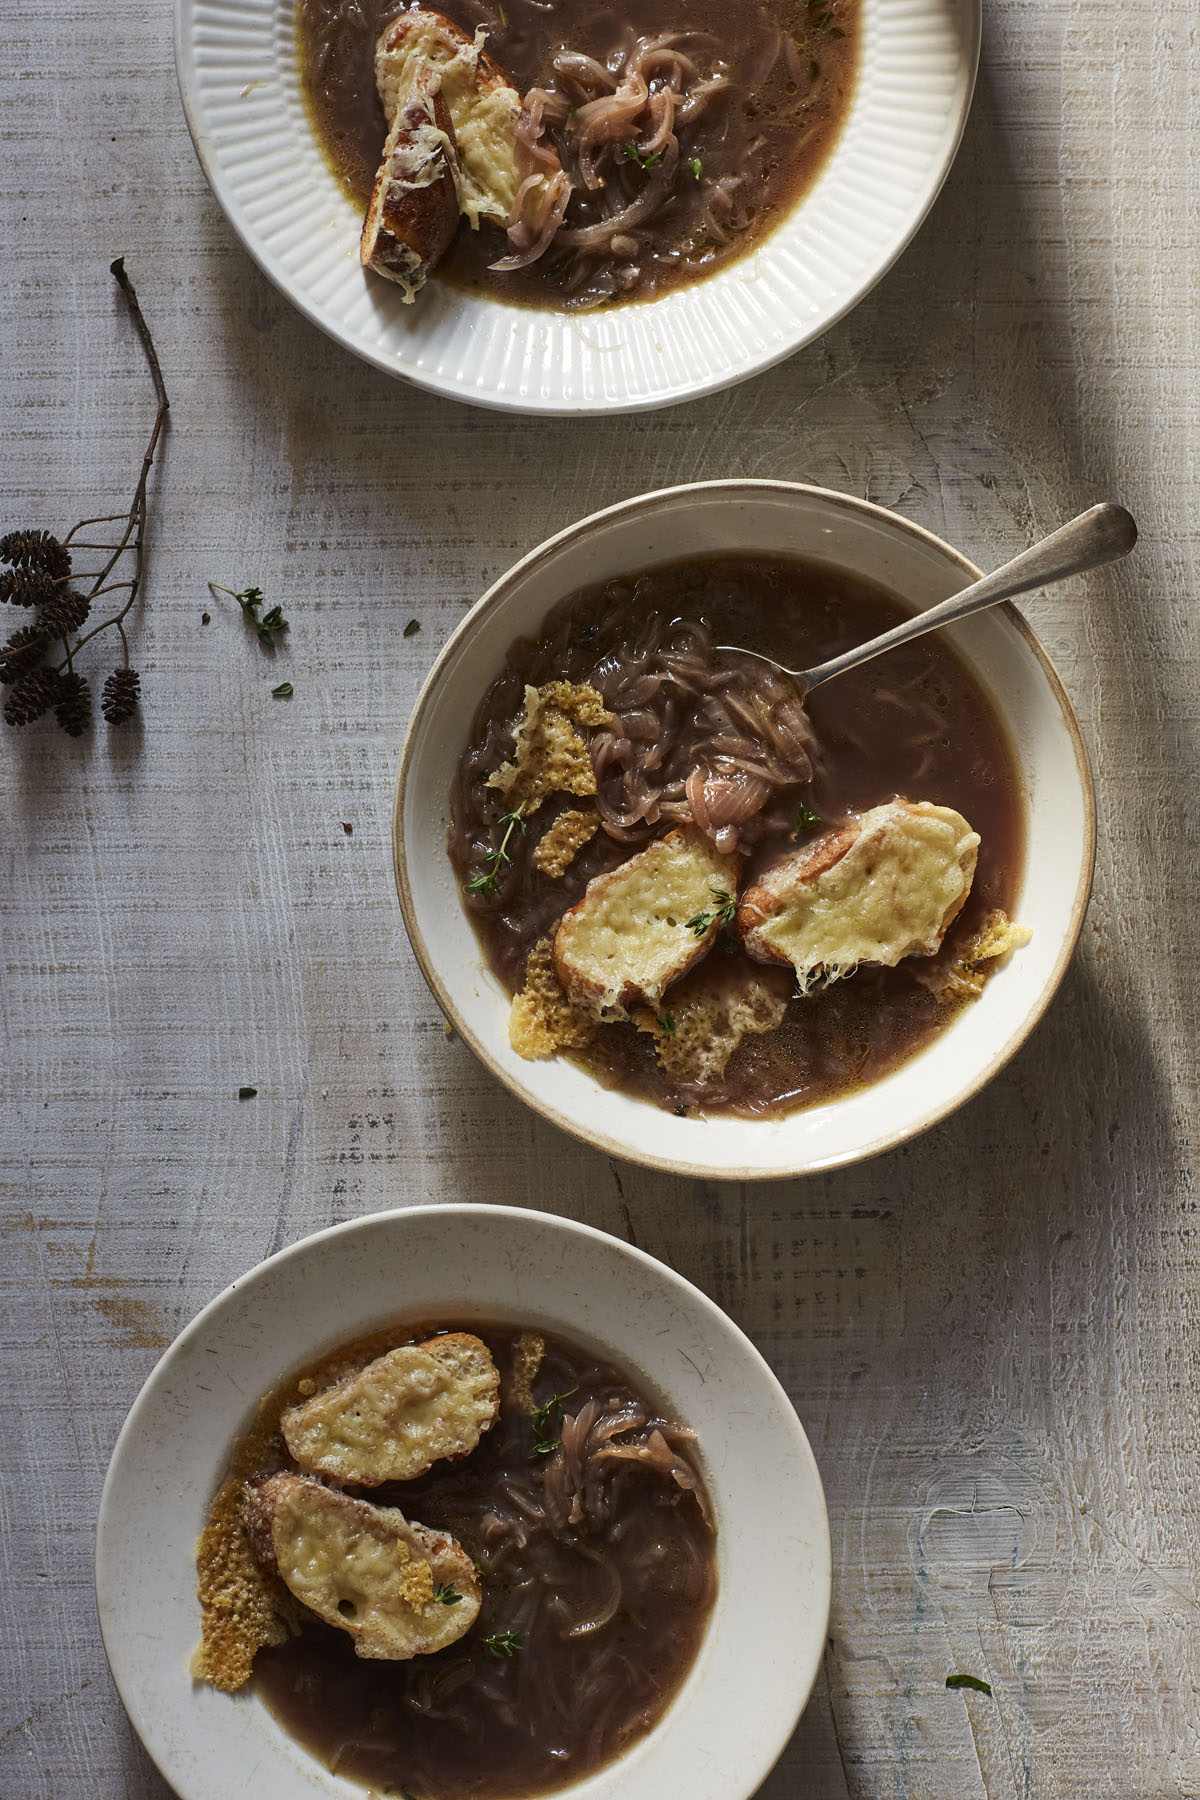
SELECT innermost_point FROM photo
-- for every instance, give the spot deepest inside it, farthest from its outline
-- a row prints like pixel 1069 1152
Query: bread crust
pixel 413 214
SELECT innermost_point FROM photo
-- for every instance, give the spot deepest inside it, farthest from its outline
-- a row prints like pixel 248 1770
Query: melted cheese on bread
pixel 886 886
pixel 365 1569
pixel 405 1411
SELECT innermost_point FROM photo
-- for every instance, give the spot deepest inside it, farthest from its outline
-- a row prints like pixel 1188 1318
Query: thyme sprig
pixel 447 1595
pixel 545 1439
pixel 485 885
pixel 503 1643
pixel 721 914
pixel 40 568
pixel 267 628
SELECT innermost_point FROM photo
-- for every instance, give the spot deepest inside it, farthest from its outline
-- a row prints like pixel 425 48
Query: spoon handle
pixel 1100 535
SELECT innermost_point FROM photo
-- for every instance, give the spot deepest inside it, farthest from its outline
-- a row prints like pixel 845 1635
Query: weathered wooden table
pixel 991 1335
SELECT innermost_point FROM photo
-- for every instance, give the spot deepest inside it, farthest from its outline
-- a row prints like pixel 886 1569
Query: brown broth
pixel 779 126
pixel 467 1724
pixel 913 724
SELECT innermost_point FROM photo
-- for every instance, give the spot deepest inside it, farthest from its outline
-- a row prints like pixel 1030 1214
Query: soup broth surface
pixel 602 1617
pixel 913 723
pixel 752 149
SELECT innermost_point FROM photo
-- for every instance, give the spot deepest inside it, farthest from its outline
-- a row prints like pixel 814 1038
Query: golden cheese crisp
pixel 543 1020
pixel 708 1014
pixel 550 756
pixel 562 841
pixel 964 978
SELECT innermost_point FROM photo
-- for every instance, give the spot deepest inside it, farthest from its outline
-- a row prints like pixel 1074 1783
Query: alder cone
pixel 73 708
pixel 33 695
pixel 36 550
pixel 122 691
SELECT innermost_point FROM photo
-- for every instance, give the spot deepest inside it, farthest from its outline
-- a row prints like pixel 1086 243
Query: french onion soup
pixel 577 153
pixel 707 892
pixel 459 1564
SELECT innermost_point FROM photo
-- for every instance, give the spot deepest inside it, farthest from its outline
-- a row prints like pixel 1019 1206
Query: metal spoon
pixel 1102 534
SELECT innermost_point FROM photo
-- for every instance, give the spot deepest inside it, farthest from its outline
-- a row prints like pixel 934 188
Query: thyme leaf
pixel 667 1025
pixel 503 1643
pixel 721 914
pixel 695 165
pixel 635 156
pixel 412 628
pixel 968 1681
pixel 544 1440
pixel 284 691
pixel 446 1595
pixel 805 819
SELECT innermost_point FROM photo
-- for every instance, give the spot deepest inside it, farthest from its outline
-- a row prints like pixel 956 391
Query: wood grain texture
pixel 992 1334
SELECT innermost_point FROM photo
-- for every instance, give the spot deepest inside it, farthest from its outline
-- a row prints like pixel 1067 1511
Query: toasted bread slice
pixel 390 1583
pixel 638 928
pixel 887 885
pixel 414 212
pixel 710 1012
pixel 484 106
pixel 398 1416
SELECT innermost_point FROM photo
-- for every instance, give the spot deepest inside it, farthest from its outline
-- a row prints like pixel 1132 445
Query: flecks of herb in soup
pixel 747 149
pixel 913 723
pixel 587 1628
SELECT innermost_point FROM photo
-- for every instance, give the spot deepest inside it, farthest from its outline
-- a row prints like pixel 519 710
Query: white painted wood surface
pixel 991 1335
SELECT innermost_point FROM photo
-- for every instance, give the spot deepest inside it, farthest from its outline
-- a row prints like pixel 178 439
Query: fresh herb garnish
pixel 247 1093
pixel 503 1643
pixel 667 1025
pixel 485 885
pixel 544 1440
pixel 447 1595
pixel 721 914
pixel 283 692
pixel 805 819
pixel 695 165
pixel 412 628
pixel 968 1681
pixel 250 599
pixel 635 156
pixel 814 69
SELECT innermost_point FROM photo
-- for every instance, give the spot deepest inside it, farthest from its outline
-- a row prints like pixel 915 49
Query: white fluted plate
pixel 238 75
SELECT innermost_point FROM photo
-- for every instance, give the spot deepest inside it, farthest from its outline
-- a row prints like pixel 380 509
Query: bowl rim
pixel 599 1139
pixel 767 1750
pixel 448 386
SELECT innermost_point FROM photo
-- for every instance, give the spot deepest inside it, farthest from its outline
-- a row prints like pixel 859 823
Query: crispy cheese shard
pixel 964 978
pixel 886 886
pixel 413 214
pixel 484 106
pixel 562 841
pixel 711 1011
pixel 394 1419
pixel 637 928
pixel 365 1569
pixel 242 1608
pixel 543 1021
pixel 549 754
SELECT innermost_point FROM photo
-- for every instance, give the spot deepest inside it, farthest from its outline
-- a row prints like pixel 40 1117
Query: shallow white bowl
pixel 998 646
pixel 236 61
pixel 756 1665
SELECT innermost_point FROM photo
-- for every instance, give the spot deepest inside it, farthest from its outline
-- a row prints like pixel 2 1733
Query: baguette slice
pixel 484 106
pixel 885 886
pixel 632 933
pixel 366 1569
pixel 413 215
pixel 402 1413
